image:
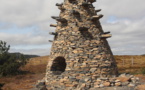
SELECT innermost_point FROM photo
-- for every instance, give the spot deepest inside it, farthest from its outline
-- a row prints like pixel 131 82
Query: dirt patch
pixel 21 82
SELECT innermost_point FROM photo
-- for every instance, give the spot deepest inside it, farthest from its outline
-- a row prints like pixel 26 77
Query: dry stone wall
pixel 79 81
pixel 80 52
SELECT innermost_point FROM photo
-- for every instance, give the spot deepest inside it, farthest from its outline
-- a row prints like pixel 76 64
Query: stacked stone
pixel 83 81
pixel 80 49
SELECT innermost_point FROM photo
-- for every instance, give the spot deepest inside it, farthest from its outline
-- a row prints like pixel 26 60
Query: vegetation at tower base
pixel 9 63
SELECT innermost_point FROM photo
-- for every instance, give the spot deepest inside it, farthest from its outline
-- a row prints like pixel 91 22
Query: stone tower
pixel 80 52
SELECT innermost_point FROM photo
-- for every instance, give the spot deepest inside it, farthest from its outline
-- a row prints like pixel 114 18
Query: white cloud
pixel 36 51
pixel 128 36
pixel 24 39
pixel 27 12
pixel 133 9
pixel 127 27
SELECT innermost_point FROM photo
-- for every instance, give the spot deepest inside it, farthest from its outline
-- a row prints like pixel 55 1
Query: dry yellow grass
pixel 20 82
pixel 128 63
pixel 37 67
pixel 125 63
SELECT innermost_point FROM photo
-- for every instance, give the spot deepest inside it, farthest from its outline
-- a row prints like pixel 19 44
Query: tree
pixel 3 47
pixel 3 52
pixel 9 63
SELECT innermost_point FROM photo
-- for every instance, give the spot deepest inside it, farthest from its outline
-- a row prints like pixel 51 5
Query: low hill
pixel 25 55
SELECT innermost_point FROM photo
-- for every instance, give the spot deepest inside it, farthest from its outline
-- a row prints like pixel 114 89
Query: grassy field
pixel 125 63
pixel 36 68
pixel 130 64
pixel 36 65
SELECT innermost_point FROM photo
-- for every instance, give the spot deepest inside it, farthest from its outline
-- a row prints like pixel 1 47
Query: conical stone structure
pixel 80 52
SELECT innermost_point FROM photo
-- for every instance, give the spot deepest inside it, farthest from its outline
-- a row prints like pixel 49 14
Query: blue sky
pixel 24 24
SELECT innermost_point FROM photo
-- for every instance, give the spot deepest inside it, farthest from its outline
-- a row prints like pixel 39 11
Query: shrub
pixel 9 63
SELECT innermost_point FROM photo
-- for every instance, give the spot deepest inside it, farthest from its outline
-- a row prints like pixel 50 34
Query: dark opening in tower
pixel 85 33
pixel 58 66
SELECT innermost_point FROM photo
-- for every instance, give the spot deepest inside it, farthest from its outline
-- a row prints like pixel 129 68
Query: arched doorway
pixel 58 65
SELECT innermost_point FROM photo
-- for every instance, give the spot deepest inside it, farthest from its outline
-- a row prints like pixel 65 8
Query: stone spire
pixel 80 49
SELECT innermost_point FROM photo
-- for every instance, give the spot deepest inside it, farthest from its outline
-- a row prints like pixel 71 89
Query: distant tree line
pixel 10 63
